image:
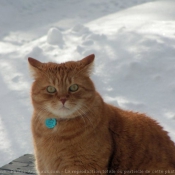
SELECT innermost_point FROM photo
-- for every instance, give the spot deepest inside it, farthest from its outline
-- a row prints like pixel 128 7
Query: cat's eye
pixel 51 89
pixel 73 88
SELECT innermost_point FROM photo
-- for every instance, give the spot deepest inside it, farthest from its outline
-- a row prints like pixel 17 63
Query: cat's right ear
pixel 35 66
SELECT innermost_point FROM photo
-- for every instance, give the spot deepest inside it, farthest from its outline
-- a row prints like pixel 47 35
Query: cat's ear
pixel 35 66
pixel 87 63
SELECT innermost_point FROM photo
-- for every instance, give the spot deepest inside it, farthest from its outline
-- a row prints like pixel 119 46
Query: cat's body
pixel 91 137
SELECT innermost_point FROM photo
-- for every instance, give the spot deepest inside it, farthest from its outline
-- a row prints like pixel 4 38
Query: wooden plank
pixel 23 165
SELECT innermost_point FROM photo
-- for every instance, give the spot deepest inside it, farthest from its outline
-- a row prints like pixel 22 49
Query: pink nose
pixel 63 100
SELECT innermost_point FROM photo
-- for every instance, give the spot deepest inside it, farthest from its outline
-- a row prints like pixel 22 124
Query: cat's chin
pixel 63 112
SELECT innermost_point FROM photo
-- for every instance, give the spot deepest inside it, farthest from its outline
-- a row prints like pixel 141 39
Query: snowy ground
pixel 134 44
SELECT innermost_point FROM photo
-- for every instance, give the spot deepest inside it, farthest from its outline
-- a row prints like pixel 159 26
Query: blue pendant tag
pixel 50 123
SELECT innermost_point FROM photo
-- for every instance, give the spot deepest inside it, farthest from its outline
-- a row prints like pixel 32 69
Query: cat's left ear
pixel 35 66
pixel 87 63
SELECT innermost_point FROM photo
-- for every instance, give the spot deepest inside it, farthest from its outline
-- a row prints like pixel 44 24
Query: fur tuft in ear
pixel 35 66
pixel 88 60
pixel 87 64
pixel 35 63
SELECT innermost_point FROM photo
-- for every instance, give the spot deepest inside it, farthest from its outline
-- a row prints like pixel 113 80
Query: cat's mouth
pixel 64 108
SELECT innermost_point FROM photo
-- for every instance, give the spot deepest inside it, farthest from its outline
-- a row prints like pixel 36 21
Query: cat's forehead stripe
pixel 57 66
pixel 67 67
pixel 60 77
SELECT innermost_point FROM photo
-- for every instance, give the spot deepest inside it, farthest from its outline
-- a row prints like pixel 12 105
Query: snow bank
pixel 54 37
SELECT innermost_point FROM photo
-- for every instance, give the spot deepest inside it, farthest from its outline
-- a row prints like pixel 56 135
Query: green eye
pixel 51 89
pixel 73 88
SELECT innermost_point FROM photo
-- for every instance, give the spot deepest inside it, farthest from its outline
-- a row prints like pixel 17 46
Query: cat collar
pixel 50 123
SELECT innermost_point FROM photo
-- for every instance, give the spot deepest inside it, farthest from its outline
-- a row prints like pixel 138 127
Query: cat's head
pixel 63 90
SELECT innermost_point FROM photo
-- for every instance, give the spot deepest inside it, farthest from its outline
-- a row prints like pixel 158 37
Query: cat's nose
pixel 63 100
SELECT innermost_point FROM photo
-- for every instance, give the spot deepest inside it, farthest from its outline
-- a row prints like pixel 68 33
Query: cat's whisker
pixel 85 115
pixel 43 111
pixel 91 111
pixel 82 117
pixel 40 112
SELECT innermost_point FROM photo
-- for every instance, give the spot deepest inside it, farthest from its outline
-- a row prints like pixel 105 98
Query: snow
pixel 54 37
pixel 134 44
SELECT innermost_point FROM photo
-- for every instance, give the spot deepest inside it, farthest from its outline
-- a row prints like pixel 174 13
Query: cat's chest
pixel 61 145
pixel 57 140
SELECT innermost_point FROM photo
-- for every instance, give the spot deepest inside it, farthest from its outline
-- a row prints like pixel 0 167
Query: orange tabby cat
pixel 76 132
